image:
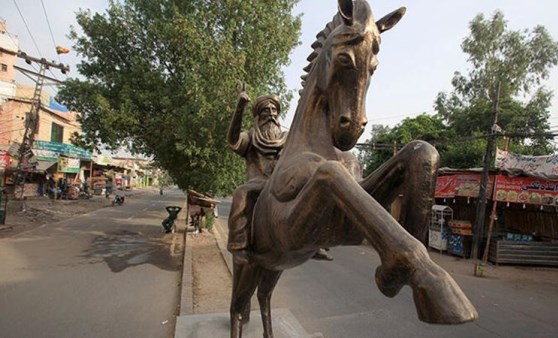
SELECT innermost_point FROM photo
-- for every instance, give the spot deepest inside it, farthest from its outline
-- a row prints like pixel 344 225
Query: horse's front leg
pixel 404 259
pixel 411 173
pixel 265 289
pixel 245 280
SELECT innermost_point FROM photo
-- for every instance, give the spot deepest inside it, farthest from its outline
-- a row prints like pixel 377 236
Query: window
pixel 3 67
pixel 57 133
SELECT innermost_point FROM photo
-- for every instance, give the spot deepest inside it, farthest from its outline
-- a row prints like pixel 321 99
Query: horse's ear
pixel 345 8
pixel 390 20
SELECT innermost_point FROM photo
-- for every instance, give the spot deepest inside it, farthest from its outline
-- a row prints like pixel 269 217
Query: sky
pixel 417 59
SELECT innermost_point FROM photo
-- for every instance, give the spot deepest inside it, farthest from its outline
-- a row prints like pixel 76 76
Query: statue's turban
pixel 262 102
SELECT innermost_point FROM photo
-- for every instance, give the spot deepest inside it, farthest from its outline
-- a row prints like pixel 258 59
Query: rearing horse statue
pixel 314 199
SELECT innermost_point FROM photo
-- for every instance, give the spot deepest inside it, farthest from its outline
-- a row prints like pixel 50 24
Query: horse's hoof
pixel 438 298
pixel 389 281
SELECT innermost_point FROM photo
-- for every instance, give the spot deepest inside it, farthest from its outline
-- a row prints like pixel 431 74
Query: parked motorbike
pixel 118 200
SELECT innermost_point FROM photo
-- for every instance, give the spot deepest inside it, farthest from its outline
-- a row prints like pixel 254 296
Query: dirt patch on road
pixel 212 282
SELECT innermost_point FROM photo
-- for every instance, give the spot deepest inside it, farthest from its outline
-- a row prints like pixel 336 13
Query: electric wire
pixel 27 26
pixel 16 43
pixel 11 131
pixel 50 29
pixel 401 115
pixel 51 36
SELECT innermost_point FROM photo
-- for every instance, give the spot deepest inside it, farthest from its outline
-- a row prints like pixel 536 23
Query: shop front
pixel 51 160
pixel 521 222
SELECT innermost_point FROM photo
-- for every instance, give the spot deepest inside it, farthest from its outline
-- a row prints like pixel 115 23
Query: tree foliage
pixel 384 141
pixel 519 61
pixel 161 77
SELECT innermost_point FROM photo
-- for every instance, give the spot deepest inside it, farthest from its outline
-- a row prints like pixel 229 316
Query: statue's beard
pixel 270 130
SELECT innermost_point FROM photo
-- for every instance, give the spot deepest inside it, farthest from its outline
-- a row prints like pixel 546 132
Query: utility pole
pixel 32 117
pixel 481 201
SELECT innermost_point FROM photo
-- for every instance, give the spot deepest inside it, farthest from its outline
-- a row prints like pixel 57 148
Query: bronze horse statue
pixel 314 197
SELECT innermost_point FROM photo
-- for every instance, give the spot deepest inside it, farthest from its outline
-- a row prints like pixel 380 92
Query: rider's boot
pixel 238 241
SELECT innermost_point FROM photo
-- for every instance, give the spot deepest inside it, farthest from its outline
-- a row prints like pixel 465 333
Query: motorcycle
pixel 118 200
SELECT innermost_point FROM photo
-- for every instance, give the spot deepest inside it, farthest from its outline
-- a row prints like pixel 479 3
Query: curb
pixel 221 233
pixel 187 291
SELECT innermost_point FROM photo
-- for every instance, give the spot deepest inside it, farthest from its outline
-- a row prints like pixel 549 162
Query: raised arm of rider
pixel 234 132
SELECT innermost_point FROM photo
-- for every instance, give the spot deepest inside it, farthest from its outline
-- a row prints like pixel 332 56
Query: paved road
pixel 110 273
pixel 340 299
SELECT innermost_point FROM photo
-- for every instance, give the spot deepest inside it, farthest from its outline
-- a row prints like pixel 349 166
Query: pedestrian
pixel 108 188
pixel 52 189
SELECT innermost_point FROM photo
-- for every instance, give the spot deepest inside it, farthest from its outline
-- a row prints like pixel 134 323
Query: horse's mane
pixel 318 44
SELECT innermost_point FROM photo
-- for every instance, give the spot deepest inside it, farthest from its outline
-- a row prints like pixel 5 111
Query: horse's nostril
pixel 344 122
pixel 364 124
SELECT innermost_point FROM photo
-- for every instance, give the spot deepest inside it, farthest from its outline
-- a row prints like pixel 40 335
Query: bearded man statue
pixel 260 146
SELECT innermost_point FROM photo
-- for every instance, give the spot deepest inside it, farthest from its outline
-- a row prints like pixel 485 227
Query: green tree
pixel 161 77
pixel 520 61
pixel 385 140
pixel 377 149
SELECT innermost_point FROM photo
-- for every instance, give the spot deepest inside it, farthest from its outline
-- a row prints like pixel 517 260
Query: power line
pixel 50 29
pixel 402 115
pixel 11 131
pixel 383 146
pixel 27 26
pixel 14 41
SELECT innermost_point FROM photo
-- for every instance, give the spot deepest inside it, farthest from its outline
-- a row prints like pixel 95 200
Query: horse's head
pixel 343 61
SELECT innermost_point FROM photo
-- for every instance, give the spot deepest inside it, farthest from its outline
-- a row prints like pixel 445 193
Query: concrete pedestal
pixel 216 325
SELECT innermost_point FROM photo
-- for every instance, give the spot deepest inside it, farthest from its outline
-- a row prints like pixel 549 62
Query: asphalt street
pixel 109 273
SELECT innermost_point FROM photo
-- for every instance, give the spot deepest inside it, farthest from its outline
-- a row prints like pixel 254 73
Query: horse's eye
pixel 345 60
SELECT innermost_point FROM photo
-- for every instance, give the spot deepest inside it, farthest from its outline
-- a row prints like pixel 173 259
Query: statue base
pixel 217 325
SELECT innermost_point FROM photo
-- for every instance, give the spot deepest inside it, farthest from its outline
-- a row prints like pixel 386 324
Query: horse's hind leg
pixel 411 173
pixel 265 289
pixel 245 280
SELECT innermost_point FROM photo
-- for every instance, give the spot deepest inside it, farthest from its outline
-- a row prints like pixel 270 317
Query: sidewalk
pixel 220 232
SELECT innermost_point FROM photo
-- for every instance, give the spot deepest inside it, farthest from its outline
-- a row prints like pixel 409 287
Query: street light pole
pixel 481 201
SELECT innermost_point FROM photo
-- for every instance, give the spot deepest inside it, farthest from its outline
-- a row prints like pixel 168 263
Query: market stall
pixel 523 224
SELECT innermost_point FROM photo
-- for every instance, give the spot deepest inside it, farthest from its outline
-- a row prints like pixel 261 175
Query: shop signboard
pixel 68 165
pixel 468 185
pixel 464 185
pixel 528 190
pixel 63 149
pixel 446 186
pixel 540 166
pixel 4 159
pixel 45 155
